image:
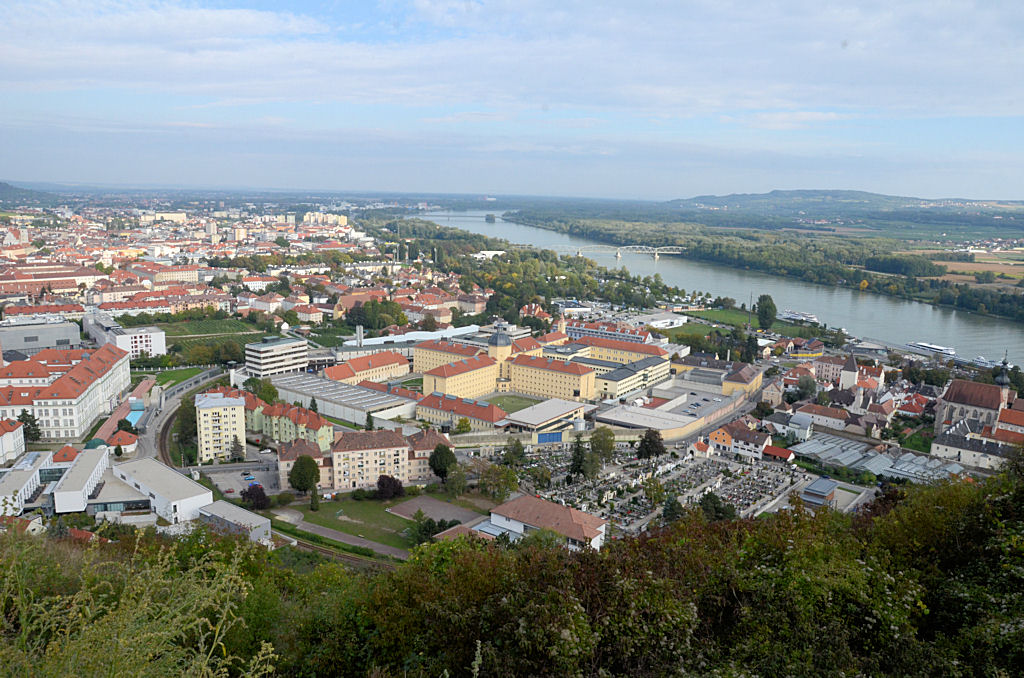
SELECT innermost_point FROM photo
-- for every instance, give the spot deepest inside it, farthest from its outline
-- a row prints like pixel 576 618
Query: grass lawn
pixel 414 384
pixel 919 441
pixel 512 403
pixel 172 377
pixel 687 330
pixel 362 518
pixel 208 326
pixel 341 422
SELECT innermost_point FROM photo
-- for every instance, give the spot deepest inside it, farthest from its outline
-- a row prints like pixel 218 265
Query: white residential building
pixel 174 497
pixel 103 329
pixel 527 513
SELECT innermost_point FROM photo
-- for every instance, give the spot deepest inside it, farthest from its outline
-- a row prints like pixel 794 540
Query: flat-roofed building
pixel 631 377
pixel 31 334
pixel 344 401
pixel 72 492
pixel 822 492
pixel 220 421
pixel 548 420
pixel 20 483
pixel 467 378
pixel 173 497
pixel 278 355
pixel 137 341
pixel 12 440
pixel 227 518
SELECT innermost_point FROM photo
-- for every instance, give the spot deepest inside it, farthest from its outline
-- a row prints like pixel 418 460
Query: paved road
pixel 295 518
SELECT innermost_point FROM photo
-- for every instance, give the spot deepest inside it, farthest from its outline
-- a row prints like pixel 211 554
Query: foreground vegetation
pixel 930 581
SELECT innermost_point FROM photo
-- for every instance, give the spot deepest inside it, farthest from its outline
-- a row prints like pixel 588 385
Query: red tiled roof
pixel 472 409
pixel 348 441
pixel 1011 417
pixel 352 367
pixel 649 349
pixel 541 363
pixel 462 366
pixel 122 438
pixel 296 448
pixel 963 392
pixel 564 520
pixel 823 411
pixel 779 452
pixel 446 346
pixel 66 453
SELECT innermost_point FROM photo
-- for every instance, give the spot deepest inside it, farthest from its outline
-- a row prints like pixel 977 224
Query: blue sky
pixel 619 99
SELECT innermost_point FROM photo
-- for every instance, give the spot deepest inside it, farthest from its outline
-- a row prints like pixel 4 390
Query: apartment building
pixel 577 329
pixel 12 440
pixel 357 459
pixel 276 356
pixel 220 421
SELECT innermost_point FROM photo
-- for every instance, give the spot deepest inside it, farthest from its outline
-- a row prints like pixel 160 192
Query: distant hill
pixel 12 195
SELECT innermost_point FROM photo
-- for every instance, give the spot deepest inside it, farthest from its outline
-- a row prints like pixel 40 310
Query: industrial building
pixel 29 335
pixel 342 401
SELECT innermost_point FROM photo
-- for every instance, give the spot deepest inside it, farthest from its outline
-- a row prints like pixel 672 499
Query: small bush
pixel 285 498
pixel 432 488
pixel 360 494
pixel 413 491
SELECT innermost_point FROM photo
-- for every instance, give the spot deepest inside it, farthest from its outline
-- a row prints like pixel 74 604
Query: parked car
pixel 250 477
pixel 230 490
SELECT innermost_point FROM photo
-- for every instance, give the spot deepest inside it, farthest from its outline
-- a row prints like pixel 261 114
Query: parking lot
pixel 231 481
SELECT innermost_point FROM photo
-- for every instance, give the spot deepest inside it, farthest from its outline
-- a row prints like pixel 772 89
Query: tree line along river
pixel 863 314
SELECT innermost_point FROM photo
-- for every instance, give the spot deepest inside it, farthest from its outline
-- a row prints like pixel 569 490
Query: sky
pixel 650 100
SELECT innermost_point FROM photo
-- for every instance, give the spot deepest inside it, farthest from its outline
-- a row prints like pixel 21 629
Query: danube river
pixel 862 314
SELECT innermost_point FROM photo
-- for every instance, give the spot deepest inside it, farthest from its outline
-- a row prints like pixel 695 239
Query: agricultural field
pixel 511 402
pixel 214 339
pixel 192 328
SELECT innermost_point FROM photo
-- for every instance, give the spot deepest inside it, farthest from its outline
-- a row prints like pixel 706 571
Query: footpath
pixel 296 518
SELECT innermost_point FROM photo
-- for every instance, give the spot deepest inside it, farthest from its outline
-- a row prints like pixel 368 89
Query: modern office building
pixel 31 334
pixel 174 497
pixel 137 341
pixel 277 355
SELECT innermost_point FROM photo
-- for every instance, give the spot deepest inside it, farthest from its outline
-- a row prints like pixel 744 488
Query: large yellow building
pixel 430 354
pixel 466 378
pixel 377 367
pixel 220 422
pixel 548 378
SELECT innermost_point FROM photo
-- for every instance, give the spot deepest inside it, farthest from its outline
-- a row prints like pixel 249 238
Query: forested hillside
pixel 929 582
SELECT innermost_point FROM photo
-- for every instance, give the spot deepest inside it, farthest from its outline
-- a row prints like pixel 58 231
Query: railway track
pixel 361 562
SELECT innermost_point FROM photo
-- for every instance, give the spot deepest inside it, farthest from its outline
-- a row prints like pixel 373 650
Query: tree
pixel 578 459
pixel 654 490
pixel 805 387
pixel 823 398
pixel 369 422
pixel 457 482
pixel 441 461
pixel 463 426
pixel 541 539
pixel 118 451
pixel 389 487
pixel 715 509
pixel 766 311
pixel 314 501
pixel 262 389
pixel 651 445
pixel 499 481
pixel 429 323
pixel 763 409
pixel 304 474
pixel 31 425
pixel 282 241
pixel 237 449
pixel 514 455
pixel 313 406
pixel 256 498
pixel 602 443
pixel 672 510
pixel 125 425
pixel 425 528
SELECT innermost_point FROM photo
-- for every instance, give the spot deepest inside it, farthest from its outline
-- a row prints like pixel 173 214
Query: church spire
pixel 1003 380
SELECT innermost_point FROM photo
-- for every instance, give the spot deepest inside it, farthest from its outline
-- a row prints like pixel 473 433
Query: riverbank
pixel 940 293
pixel 898 320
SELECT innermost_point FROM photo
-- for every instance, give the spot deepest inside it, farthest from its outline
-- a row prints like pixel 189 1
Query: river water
pixel 863 314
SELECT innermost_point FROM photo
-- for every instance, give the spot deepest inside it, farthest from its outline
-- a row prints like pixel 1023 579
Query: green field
pixel 363 519
pixel 512 403
pixel 414 384
pixel 172 377
pixel 215 339
pixel 208 326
